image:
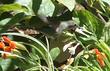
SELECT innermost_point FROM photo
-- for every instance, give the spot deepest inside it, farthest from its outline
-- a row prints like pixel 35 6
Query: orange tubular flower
pixel 100 60
pixel 6 39
pixel 2 45
pixel 7 49
pixel 12 45
pixel 100 57
pixel 96 51
pixel 7 45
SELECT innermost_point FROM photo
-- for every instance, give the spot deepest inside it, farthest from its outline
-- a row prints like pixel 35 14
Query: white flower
pixel 73 49
pixel 70 47
pixel 67 46
pixel 81 30
pixel 85 30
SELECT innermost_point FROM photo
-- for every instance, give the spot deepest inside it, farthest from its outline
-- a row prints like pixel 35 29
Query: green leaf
pixel 23 2
pixel 10 7
pixel 55 52
pixel 23 64
pixel 107 1
pixel 36 5
pixel 43 7
pixel 36 68
pixel 40 47
pixel 4 21
pixel 70 4
pixel 91 22
pixel 1 68
pixel 6 64
pixel 20 46
pixel 18 17
pixel 104 47
pixel 106 35
pixel 27 4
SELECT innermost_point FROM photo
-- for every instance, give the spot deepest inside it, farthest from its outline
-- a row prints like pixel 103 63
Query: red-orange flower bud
pixel 100 60
pixel 12 45
pixel 2 45
pixel 96 51
pixel 100 57
pixel 7 49
pixel 6 39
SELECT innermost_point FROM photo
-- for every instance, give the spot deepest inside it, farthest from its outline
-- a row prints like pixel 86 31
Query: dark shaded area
pixel 7 1
pixel 5 15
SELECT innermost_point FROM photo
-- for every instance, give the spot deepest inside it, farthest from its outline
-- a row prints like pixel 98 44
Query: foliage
pixel 45 33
